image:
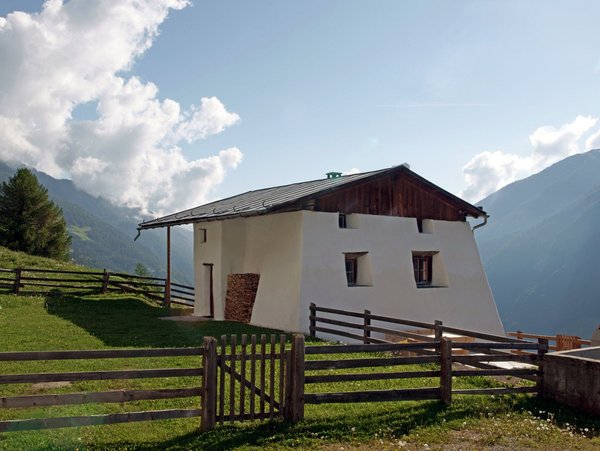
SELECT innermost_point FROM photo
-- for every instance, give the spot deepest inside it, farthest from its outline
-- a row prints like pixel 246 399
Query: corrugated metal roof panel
pixel 255 202
pixel 268 199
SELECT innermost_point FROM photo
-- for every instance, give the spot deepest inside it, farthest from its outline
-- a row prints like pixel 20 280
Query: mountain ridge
pixel 539 251
pixel 108 241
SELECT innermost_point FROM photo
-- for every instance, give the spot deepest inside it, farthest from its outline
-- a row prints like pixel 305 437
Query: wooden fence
pixel 561 342
pixel 29 281
pixel 115 396
pixel 445 356
pixel 260 382
pixel 260 378
pixel 387 328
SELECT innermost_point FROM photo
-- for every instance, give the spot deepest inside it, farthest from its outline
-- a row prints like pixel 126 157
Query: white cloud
pixel 351 171
pixel 489 171
pixel 78 52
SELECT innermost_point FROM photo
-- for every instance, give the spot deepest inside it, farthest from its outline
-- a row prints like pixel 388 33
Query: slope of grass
pixel 117 321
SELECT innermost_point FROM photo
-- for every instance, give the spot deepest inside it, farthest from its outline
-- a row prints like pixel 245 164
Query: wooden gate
pixel 251 378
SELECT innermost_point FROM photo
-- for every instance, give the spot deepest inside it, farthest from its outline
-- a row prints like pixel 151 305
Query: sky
pixel 166 104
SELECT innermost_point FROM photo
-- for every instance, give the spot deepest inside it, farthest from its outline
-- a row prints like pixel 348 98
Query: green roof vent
pixel 333 175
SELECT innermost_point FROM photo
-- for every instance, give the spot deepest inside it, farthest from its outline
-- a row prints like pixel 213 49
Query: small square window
pixel 420 225
pixel 358 269
pixel 351 269
pixel 423 268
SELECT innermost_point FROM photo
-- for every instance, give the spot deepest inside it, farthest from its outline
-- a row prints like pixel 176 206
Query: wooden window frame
pixel 423 268
pixel 352 272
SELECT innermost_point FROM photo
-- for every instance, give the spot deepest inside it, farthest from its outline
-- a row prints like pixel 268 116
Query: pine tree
pixel 29 220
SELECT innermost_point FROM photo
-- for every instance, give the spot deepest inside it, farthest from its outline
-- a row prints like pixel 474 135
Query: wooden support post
pixel 438 332
pixel 446 370
pixel 167 300
pixel 367 322
pixel 297 370
pixel 313 319
pixel 542 350
pixel 209 384
pixel 105 281
pixel 287 406
pixel 17 281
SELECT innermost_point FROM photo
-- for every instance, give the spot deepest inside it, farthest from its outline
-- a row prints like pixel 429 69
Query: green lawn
pixel 118 321
pixel 95 322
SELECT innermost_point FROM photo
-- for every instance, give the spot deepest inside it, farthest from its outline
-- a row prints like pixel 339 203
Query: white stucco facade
pixel 300 258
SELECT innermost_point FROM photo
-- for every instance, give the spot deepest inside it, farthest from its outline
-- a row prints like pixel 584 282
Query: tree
pixel 29 220
pixel 141 270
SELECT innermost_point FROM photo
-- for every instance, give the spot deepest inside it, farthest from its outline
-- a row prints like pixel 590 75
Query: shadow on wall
pixel 133 322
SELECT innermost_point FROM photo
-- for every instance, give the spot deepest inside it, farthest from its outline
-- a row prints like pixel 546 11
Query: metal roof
pixel 266 200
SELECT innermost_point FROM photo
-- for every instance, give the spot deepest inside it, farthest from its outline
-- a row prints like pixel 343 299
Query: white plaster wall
pixel 207 252
pixel 267 245
pixel 465 302
pixel 300 259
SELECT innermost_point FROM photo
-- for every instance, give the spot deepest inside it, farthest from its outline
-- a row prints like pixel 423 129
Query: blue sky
pixel 336 85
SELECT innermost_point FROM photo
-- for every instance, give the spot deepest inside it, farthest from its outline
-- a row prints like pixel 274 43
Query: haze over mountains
pixel 103 233
pixel 541 246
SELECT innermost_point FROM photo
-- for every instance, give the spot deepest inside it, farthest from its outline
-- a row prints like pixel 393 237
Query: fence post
pixel 437 329
pixel 297 379
pixel 209 384
pixel 367 322
pixel 287 407
pixel 446 370
pixel 17 281
pixel 313 319
pixel 542 349
pixel 105 281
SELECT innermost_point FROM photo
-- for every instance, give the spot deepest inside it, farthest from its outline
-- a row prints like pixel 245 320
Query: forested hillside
pixel 541 245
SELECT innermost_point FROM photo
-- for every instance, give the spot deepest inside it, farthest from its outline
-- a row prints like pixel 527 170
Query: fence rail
pixel 447 354
pixel 23 281
pixel 420 331
pixel 114 396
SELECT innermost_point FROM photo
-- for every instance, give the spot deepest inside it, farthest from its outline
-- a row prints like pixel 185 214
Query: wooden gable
pixel 396 194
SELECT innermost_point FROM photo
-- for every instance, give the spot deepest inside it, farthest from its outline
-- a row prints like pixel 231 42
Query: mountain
pixel 103 233
pixel 541 246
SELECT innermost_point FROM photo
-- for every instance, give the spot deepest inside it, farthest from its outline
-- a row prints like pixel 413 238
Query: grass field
pixel 100 322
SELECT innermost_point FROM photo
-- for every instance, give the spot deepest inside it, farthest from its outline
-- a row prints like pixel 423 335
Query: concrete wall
pixel 300 259
pixel 573 380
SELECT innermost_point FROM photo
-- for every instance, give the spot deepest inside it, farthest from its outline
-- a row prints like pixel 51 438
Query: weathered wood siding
pixel 392 196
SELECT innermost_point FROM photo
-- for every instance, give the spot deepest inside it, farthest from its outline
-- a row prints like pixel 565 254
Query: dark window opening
pixel 203 235
pixel 423 265
pixel 342 221
pixel 420 225
pixel 351 269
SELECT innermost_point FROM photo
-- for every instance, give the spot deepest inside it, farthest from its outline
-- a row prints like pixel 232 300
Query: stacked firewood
pixel 241 293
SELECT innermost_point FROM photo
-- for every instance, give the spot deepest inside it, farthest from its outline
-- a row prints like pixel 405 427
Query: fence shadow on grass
pixel 401 418
pixel 129 321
